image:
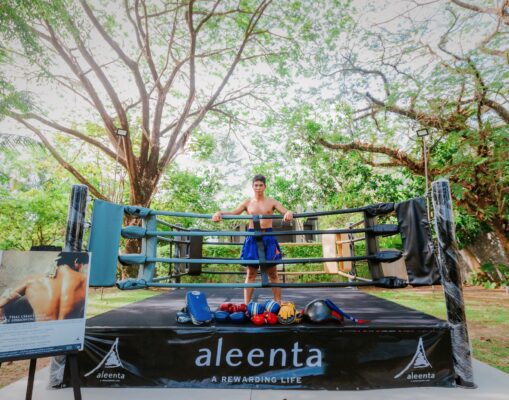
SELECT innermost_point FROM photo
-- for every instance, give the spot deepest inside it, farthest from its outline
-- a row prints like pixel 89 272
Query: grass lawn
pixel 102 300
pixel 487 317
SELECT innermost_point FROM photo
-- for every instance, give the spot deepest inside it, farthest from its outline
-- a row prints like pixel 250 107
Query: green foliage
pixel 490 276
pixel 33 207
pixel 365 100
pixel 304 251
pixel 224 251
pixel 311 177
pixel 203 146
pixel 188 191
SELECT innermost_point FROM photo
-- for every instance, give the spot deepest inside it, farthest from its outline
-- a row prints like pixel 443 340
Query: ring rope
pixel 388 282
pixel 386 256
pixel 136 232
pixel 144 212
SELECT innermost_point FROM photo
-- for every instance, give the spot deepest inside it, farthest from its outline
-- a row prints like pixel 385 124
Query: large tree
pixel 154 70
pixel 436 65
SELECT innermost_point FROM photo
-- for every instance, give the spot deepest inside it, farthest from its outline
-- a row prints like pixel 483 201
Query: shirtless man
pixel 47 298
pixel 258 205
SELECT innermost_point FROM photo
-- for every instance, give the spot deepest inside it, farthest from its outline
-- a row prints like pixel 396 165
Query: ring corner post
pixel 451 282
pixel 76 218
pixel 74 233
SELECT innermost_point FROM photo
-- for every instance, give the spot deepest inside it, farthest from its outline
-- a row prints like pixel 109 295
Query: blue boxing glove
pixel 254 308
pixel 183 317
pixel 222 316
pixel 272 307
pixel 238 317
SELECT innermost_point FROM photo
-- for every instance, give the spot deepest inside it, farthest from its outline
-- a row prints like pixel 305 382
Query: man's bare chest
pixel 256 208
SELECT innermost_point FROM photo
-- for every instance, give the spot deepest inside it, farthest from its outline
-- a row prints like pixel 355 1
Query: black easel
pixel 73 363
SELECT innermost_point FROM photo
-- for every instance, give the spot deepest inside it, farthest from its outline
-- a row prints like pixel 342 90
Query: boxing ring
pixel 143 345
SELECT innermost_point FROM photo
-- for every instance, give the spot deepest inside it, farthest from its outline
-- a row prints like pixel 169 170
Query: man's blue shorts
pixel 272 249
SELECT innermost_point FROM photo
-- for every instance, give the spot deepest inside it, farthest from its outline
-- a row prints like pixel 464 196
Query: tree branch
pixel 499 12
pixel 432 121
pixel 61 161
pixel 76 69
pixel 399 156
pixel 134 67
pixel 112 94
pixel 74 133
pixel 176 145
pixel 498 108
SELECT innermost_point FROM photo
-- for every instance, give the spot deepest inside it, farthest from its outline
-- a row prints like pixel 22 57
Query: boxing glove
pixel 254 309
pixel 271 318
pixel 225 306
pixel 258 319
pixel 272 306
pixel 238 317
pixel 221 316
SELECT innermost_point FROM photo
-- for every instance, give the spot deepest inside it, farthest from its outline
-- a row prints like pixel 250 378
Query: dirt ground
pixel 11 372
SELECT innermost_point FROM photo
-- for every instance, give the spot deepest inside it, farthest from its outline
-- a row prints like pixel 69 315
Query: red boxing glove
pixel 242 308
pixel 258 319
pixel 225 306
pixel 233 308
pixel 271 318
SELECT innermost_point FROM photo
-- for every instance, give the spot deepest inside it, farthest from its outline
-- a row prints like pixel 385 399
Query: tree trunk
pixel 491 248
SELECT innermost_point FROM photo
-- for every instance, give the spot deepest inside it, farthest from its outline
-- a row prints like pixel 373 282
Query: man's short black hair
pixel 260 178
pixel 69 258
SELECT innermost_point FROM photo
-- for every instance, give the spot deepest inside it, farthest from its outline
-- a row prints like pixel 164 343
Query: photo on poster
pixel 42 286
pixel 42 301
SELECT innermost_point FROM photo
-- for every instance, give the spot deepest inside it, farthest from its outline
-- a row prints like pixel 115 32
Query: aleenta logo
pixel 110 360
pixel 295 357
pixel 418 361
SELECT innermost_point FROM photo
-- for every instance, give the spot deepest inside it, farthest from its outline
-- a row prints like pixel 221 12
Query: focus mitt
pixel 287 313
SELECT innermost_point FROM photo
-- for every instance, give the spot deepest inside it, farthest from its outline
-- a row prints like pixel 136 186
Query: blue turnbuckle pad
pixel 137 211
pixel 131 259
pixel 133 232
pixel 132 284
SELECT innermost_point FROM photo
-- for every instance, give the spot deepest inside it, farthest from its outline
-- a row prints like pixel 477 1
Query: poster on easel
pixel 43 297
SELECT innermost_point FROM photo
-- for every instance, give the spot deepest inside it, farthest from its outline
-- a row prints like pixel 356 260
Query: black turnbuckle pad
pixel 391 282
pixel 385 229
pixel 387 256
